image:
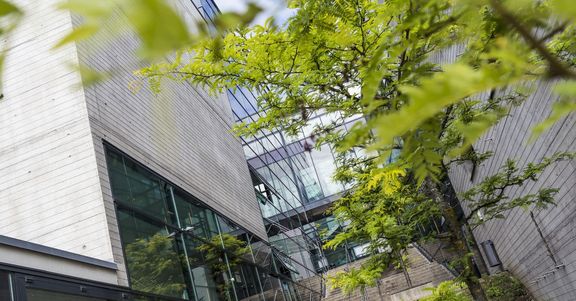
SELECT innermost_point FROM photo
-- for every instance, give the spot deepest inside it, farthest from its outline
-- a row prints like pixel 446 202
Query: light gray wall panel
pixel 183 133
pixel 49 184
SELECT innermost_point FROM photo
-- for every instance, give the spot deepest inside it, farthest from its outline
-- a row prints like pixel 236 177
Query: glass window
pixel 246 281
pixel 176 246
pixel 195 218
pixel 325 167
pixel 154 264
pixel 208 275
pixel 5 293
pixel 136 186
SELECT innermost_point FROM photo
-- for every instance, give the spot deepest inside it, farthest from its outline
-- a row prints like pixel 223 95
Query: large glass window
pixel 151 254
pixel 134 185
pixel 175 246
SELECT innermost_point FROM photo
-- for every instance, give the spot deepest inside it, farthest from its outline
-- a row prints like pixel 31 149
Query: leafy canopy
pixel 426 79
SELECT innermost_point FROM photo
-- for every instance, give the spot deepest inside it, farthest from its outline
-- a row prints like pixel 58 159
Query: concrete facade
pixel 516 238
pixel 548 276
pixel 50 190
pixel 54 184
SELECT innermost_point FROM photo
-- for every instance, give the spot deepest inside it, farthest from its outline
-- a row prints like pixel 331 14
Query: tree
pixel 155 266
pixel 223 254
pixel 375 60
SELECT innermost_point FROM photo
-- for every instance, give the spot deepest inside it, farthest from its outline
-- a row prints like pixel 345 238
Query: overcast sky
pixel 275 8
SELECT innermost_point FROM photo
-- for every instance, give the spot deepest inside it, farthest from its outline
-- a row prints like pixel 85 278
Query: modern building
pixel 113 194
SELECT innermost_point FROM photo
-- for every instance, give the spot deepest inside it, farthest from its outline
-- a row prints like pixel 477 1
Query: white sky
pixel 275 8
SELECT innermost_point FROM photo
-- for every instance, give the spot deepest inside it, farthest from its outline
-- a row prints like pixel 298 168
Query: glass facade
pixel 176 246
pixel 291 179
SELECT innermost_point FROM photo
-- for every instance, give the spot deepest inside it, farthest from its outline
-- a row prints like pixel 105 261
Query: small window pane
pixel 5 286
pixel 196 219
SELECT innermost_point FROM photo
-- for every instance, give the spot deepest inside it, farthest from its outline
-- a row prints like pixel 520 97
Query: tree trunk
pixel 459 243
pixel 473 245
pixel 476 290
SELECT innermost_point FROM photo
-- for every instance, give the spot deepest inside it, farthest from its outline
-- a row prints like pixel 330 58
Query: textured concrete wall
pixel 516 238
pixel 182 134
pixel 49 185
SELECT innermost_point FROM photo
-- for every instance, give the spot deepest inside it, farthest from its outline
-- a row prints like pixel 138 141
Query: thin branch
pixel 556 68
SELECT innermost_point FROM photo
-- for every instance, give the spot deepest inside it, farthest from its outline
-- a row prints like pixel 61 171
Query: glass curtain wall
pixel 178 247
pixel 288 176
pixel 288 193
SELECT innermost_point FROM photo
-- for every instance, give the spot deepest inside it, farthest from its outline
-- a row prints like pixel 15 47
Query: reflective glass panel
pixel 196 219
pixel 154 264
pixel 5 286
pixel 136 186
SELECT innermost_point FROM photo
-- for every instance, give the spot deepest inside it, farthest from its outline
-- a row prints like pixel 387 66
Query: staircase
pixel 393 285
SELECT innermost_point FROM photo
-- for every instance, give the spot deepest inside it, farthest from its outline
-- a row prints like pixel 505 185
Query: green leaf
pixel 455 83
pixel 564 8
pixel 78 34
pixel 561 108
pixel 159 27
pixel 7 8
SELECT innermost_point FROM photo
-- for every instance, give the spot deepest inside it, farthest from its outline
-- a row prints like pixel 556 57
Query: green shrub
pixel 504 287
pixel 448 291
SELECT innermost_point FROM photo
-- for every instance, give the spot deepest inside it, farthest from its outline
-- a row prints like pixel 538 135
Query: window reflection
pixel 152 258
pixel 175 246
pixel 196 219
pixel 136 186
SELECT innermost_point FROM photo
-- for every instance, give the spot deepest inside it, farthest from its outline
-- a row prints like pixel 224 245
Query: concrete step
pixel 393 284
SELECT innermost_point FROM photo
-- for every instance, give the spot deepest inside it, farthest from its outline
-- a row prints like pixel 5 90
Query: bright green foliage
pixel 382 210
pixel 381 61
pixel 505 287
pixel 155 266
pixel 10 16
pixel 488 200
pixel 448 291
pixel 499 287
pixel 417 71
pixel 370 59
pixel 355 279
